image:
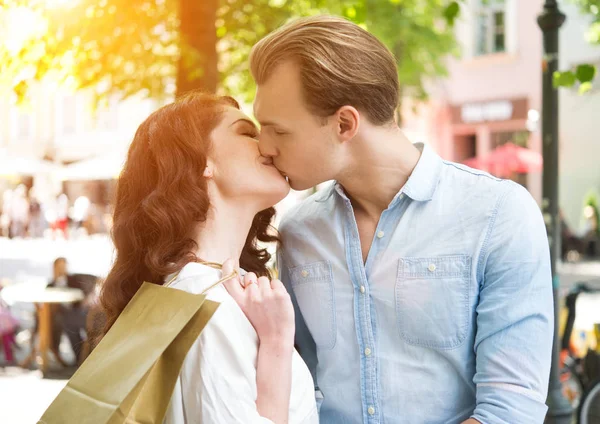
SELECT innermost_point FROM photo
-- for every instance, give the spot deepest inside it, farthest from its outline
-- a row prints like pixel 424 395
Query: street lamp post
pixel 550 21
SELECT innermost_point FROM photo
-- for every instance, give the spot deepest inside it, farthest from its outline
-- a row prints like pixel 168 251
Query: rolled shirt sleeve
pixel 515 315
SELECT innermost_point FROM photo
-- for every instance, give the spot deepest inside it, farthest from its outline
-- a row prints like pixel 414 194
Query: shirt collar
pixel 421 184
pixel 423 181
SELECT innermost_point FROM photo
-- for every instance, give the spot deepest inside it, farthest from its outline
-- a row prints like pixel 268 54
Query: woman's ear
pixel 208 171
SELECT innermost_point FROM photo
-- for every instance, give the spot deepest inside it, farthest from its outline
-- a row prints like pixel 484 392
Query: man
pixel 19 212
pixel 71 319
pixel 422 287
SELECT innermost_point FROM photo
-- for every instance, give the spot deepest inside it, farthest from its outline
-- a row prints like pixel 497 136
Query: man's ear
pixel 347 123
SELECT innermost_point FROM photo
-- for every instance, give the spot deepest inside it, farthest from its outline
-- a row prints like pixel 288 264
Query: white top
pixel 217 383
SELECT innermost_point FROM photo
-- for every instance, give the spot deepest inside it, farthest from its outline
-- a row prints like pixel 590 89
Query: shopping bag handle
pixel 214 265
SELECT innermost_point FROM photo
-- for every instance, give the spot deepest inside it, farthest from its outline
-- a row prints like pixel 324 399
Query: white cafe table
pixel 44 298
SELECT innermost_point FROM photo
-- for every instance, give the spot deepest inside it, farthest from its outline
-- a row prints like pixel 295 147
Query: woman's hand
pixel 267 306
pixel 269 309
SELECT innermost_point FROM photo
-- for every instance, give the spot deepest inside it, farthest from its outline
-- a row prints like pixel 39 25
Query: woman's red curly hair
pixel 162 196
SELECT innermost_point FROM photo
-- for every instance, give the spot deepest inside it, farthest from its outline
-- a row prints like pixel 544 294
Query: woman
pixel 195 189
pixel 8 329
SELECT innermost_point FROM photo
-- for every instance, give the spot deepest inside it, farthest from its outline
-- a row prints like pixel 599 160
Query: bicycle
pixel 580 376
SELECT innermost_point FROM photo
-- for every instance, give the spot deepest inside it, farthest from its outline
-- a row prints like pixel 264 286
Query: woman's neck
pixel 223 235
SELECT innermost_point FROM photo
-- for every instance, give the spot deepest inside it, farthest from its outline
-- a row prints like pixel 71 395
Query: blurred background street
pixel 77 77
pixel 26 394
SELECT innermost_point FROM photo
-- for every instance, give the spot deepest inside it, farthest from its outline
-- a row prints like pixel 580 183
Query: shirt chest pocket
pixel 432 300
pixel 314 290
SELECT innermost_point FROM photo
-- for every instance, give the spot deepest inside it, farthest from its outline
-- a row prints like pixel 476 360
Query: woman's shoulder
pixel 202 285
pixel 228 325
pixel 227 342
pixel 198 278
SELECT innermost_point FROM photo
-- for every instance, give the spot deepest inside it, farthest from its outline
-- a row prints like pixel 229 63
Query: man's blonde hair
pixel 340 64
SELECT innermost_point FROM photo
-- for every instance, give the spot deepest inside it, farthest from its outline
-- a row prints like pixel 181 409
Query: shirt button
pixel 380 234
pixel 362 289
pixel 367 352
pixel 304 273
pixel 371 410
pixel 431 267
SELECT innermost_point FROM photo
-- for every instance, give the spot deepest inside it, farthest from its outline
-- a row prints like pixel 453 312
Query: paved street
pixel 24 395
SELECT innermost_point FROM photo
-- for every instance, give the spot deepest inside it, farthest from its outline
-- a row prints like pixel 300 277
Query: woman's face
pixel 239 170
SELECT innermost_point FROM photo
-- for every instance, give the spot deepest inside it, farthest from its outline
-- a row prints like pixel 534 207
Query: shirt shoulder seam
pixel 484 248
pixel 476 174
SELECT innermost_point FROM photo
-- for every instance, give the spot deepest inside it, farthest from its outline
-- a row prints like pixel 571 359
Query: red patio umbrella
pixel 476 162
pixel 508 159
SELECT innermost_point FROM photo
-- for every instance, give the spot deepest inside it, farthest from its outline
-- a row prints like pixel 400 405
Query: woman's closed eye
pixel 249 130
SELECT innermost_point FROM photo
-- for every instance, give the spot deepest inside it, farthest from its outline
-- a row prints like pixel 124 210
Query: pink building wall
pixel 514 74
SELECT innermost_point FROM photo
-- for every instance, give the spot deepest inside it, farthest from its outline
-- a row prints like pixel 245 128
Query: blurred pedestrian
pixel 62 214
pixel 71 319
pixel 572 246
pixel 8 327
pixel 590 230
pixel 5 214
pixel 37 222
pixel 19 212
pixel 81 209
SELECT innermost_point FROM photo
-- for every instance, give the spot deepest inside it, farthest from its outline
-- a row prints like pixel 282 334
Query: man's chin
pixel 299 185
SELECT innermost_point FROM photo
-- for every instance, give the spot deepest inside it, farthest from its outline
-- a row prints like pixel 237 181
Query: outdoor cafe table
pixel 44 298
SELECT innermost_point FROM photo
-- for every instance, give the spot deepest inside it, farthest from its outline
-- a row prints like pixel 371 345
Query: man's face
pixel 303 146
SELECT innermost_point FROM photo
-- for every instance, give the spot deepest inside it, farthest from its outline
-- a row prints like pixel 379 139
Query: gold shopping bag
pixel 130 376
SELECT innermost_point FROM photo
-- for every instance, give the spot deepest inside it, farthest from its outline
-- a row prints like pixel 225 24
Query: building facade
pixel 63 126
pixel 493 95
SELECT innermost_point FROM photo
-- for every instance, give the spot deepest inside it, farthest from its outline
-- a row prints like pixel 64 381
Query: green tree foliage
pixel 583 75
pixel 166 47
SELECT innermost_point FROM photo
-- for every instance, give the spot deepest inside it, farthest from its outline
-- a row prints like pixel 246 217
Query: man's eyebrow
pixel 267 124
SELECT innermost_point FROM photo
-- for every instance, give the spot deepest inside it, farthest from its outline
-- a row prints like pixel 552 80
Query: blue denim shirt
pixel 451 315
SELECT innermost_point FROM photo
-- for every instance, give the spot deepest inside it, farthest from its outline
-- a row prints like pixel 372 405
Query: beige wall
pixel 579 121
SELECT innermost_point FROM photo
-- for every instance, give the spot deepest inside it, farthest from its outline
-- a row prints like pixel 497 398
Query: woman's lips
pixel 269 162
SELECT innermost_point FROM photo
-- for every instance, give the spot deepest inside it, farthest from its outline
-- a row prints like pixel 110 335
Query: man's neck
pixel 381 162
pixel 224 233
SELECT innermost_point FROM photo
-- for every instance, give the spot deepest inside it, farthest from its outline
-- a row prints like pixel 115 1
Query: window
pixel 520 138
pixel 107 116
pixel 24 130
pixel 22 125
pixel 490 36
pixel 69 114
pixel 498 44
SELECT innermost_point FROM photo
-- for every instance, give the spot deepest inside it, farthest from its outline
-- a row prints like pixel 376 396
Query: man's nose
pixel 266 147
